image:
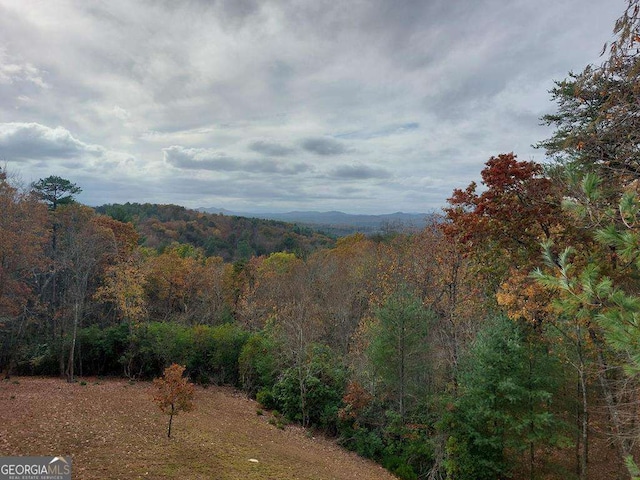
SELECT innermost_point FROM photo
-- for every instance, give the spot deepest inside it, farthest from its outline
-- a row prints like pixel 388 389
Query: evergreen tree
pixel 399 347
pixel 503 413
pixel 596 281
pixel 55 191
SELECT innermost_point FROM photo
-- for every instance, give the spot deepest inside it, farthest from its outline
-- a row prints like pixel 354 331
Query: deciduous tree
pixel 82 245
pixel 174 393
pixel 507 221
pixel 23 236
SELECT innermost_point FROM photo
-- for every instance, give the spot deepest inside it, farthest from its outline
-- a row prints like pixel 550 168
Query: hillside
pixel 339 223
pixel 230 237
pixel 111 429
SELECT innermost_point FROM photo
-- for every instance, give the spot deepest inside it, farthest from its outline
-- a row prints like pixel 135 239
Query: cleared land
pixel 112 429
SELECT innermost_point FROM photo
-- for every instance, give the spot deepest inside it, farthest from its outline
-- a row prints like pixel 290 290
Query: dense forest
pixel 497 342
pixel 230 237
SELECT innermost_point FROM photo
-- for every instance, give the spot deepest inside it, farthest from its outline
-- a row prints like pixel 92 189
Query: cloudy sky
pixel 363 106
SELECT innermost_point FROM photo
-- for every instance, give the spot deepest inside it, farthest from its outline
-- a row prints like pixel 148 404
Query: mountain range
pixel 339 223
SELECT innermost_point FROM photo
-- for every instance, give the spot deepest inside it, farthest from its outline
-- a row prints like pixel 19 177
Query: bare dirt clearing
pixel 112 429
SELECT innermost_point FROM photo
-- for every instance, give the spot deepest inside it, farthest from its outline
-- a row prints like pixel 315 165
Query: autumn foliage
pixel 174 393
pixel 501 341
pixel 518 208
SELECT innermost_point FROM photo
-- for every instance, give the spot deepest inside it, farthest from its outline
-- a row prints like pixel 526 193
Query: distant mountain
pixel 339 223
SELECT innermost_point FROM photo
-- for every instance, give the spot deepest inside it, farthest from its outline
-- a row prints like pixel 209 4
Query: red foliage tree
pixel 519 208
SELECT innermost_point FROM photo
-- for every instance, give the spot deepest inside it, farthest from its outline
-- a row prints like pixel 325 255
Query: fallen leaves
pixel 110 432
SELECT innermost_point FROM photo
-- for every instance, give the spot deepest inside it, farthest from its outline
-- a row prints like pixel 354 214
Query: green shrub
pixel 365 442
pixel 373 429
pixel 312 392
pixel 144 350
pixel 166 343
pixel 258 366
pixel 266 399
pixel 216 353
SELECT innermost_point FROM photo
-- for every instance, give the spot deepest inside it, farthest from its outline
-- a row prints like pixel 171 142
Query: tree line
pixel 483 346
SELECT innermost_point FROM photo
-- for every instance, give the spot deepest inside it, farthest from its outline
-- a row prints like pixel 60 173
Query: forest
pixel 232 237
pixel 501 341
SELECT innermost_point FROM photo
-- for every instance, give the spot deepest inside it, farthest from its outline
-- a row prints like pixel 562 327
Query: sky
pixel 361 106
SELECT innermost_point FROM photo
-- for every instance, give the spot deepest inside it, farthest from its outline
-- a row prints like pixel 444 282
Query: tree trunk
pixel 170 420
pixel 302 383
pixel 402 369
pixel 532 457
pixel 584 440
pixel 622 444
pixel 14 341
pixel 128 365
pixel 72 349
pixel 531 415
pixel 451 317
pixel 61 355
pixel 582 445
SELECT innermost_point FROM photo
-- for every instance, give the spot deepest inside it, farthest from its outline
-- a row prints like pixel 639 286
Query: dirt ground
pixel 112 430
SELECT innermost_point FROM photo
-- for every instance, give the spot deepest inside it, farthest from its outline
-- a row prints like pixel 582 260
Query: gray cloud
pixel 359 172
pixel 242 96
pixel 273 149
pixel 384 131
pixel 32 141
pixel 324 146
pixel 276 167
pixel 207 159
pixel 198 159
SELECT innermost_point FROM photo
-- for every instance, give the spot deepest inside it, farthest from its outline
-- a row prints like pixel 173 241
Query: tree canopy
pixel 55 191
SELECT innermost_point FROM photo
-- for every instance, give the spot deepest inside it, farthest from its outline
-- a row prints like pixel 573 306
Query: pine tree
pixel 399 348
pixel 507 381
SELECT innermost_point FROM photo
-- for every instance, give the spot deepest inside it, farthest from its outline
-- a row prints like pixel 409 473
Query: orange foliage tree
pixel 23 236
pixel 174 393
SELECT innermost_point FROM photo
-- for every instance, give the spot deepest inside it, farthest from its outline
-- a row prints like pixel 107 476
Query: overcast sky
pixel 363 106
